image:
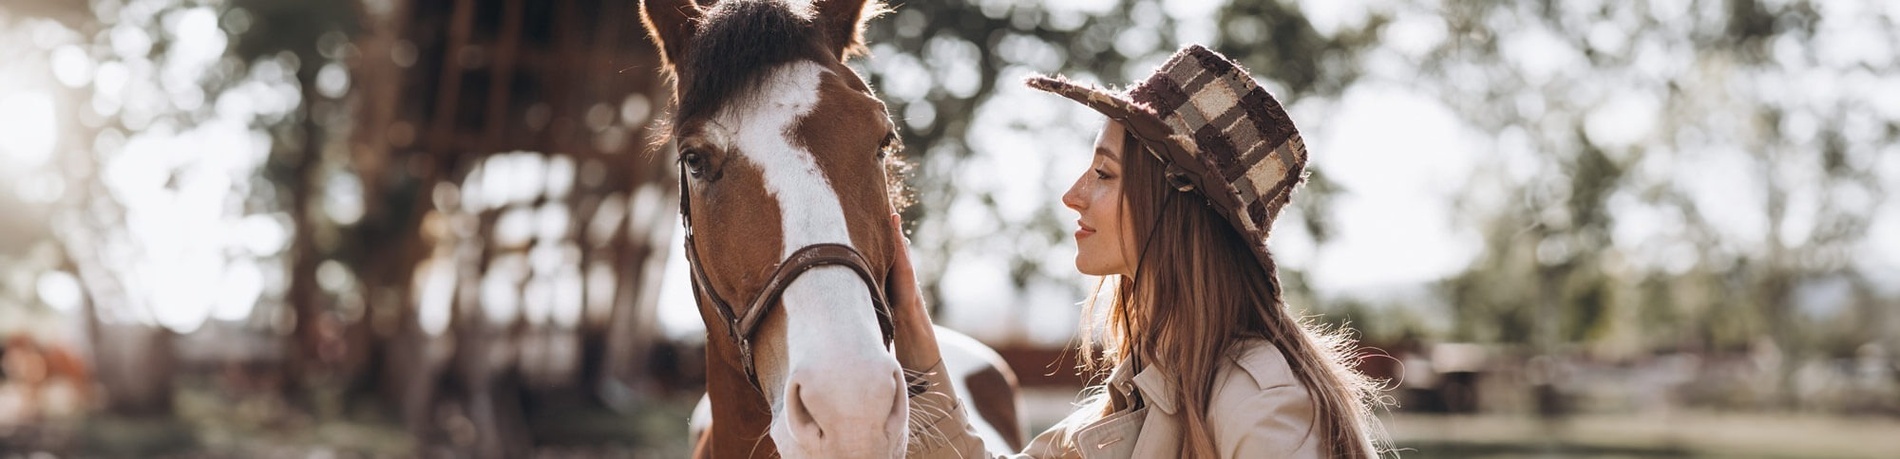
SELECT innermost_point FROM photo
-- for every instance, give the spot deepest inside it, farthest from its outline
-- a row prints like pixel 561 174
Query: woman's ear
pixel 843 23
pixel 672 24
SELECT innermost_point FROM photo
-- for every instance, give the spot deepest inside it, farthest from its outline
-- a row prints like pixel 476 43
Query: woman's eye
pixel 1101 174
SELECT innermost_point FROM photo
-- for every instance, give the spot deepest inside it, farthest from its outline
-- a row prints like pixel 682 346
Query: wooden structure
pixel 476 119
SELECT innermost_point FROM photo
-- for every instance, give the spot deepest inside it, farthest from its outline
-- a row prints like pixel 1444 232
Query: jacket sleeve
pixel 1275 422
pixel 940 429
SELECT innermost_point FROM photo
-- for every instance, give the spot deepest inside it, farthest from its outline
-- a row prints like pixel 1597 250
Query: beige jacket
pixel 1258 410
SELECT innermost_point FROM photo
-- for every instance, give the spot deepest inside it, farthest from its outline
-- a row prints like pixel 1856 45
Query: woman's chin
pixel 1090 268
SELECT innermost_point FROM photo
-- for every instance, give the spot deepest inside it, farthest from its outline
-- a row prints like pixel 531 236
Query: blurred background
pixel 393 228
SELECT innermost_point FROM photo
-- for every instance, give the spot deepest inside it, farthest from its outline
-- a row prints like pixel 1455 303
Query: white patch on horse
pixel 811 213
pixel 828 310
pixel 964 356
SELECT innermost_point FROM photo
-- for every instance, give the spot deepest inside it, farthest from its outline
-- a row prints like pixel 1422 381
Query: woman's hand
pixel 916 340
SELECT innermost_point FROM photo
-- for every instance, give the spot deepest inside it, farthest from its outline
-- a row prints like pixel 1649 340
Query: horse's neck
pixel 741 416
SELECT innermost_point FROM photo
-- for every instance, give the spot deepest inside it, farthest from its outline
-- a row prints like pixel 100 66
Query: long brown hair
pixel 1185 311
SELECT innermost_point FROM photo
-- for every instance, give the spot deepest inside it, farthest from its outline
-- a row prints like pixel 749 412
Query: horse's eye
pixel 892 144
pixel 694 162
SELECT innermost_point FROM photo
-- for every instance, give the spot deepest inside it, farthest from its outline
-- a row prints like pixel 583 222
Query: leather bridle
pixel 740 328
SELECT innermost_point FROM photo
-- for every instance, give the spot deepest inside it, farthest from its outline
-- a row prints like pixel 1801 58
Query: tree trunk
pixel 305 360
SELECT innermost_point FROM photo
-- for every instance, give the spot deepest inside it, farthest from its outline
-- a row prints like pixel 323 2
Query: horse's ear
pixel 843 22
pixel 671 23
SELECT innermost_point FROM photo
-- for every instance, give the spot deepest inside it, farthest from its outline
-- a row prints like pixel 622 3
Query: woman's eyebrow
pixel 1100 151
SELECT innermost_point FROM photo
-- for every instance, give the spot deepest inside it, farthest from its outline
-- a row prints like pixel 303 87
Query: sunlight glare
pixel 71 66
pixel 435 294
pixel 1396 185
pixel 243 284
pixel 28 129
pixel 60 290
pixel 679 313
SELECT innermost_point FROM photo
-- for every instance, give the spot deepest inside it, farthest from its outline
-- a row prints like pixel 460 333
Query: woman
pixel 1206 360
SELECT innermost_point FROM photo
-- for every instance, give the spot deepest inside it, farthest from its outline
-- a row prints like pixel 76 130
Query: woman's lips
pixel 1083 230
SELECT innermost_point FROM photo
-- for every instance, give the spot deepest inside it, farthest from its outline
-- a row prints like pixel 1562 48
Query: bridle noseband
pixel 741 328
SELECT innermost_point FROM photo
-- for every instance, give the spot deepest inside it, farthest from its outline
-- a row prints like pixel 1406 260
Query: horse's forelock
pixel 742 42
pixel 739 44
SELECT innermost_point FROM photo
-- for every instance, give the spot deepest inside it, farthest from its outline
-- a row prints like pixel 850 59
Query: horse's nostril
pixel 899 419
pixel 847 405
pixel 803 424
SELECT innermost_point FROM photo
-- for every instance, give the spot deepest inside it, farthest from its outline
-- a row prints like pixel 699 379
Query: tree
pixel 1650 172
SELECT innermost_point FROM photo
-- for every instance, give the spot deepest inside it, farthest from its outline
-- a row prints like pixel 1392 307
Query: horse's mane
pixel 738 43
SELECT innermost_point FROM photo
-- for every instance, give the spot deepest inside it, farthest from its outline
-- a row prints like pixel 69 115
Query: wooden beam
pixel 502 71
pixel 449 85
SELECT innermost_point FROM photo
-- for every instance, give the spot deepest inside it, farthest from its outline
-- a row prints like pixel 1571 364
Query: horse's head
pixel 783 147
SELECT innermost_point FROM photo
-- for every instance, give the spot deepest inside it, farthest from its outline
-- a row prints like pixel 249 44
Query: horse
pixel 783 155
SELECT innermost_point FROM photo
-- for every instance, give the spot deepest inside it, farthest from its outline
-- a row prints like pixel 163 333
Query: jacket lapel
pixel 1113 437
pixel 1162 430
pixel 1144 423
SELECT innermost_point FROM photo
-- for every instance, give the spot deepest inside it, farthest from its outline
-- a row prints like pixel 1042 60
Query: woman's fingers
pixel 903 277
pixel 916 341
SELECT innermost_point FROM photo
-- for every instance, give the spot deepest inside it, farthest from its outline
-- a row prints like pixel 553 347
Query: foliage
pixel 1693 175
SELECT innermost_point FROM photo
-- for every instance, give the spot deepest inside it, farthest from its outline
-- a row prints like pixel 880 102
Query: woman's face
pixel 1104 243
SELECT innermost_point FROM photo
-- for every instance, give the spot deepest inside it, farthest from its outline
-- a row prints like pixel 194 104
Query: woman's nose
pixel 1073 198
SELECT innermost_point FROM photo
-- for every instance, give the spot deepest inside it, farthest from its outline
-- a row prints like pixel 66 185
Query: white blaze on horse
pixel 785 193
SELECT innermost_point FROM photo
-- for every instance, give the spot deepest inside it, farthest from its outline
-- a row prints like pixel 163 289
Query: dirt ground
pixel 1681 434
pixel 1630 435
pixel 207 425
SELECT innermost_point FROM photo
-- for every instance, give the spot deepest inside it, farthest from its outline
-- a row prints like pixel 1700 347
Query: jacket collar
pixel 1258 357
pixel 1264 362
pixel 1156 387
